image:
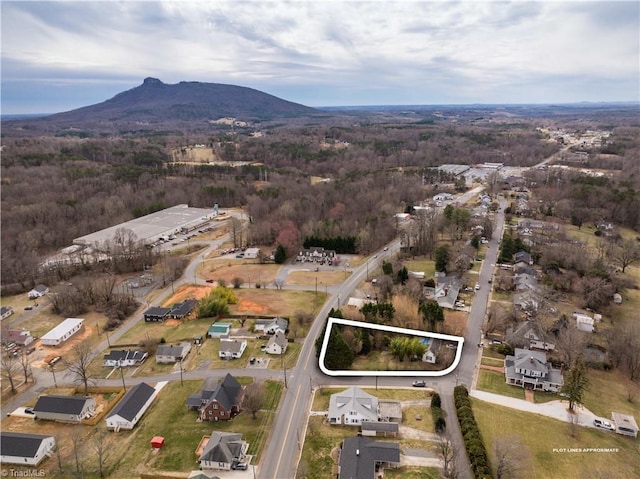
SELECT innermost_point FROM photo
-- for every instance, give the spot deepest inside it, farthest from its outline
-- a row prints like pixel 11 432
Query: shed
pixel 62 332
pixel 157 442
pixel 625 424
pixel 219 330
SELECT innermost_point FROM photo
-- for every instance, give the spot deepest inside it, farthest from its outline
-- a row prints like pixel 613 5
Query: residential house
pixel 440 197
pixel 625 424
pixel 156 314
pixel 127 413
pixel 231 348
pixel 222 450
pixel 277 344
pixel 318 255
pixel 530 370
pixel 219 402
pixel 180 310
pixel 522 257
pixel 361 457
pixel 167 353
pixel 433 348
pixel 271 326
pixel 352 406
pixel 24 449
pixel 20 337
pixel 219 330
pixel 446 290
pixel 528 335
pixel 64 408
pixel 5 312
pixel 584 322
pixel 123 358
pixel 252 253
pixel 525 281
pixel 38 292
pixel 62 332
pixel 358 303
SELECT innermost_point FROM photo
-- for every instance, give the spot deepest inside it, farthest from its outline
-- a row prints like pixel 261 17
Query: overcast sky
pixel 58 56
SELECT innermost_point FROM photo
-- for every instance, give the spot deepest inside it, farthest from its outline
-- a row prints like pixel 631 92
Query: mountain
pixel 155 101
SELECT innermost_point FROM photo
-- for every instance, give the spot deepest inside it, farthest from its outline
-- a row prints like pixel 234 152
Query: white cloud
pixel 453 48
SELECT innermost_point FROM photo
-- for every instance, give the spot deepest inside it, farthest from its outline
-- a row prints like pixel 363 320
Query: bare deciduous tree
pixel 254 396
pixel 79 363
pixel 9 369
pixel 448 455
pixel 512 457
pixel 102 451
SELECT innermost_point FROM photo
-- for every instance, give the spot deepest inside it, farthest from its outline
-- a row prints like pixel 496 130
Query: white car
pixel 477 287
pixel 604 424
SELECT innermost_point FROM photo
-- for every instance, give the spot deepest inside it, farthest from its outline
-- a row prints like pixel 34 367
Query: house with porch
pixel 64 408
pixel 271 326
pixel 353 406
pixel 528 335
pixel 222 450
pixel 231 348
pixel 219 401
pixel 530 369
pixel 123 358
pixel 167 353
pixel 277 344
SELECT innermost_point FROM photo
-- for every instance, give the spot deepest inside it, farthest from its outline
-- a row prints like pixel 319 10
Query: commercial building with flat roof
pixel 150 228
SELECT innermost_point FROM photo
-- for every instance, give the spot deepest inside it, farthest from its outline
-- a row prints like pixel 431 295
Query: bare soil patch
pixel 247 270
pixel 188 291
pixel 455 322
pixel 329 278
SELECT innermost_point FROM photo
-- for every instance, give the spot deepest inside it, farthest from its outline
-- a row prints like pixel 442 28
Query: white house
pixel 25 449
pixel 38 292
pixel 442 197
pixel 167 353
pixel 352 406
pixel 64 408
pixel 431 354
pixel 530 369
pixel 231 348
pixel 277 344
pixel 5 312
pixel 271 326
pixel 124 358
pixel 584 322
pixel 62 332
pixel 131 407
pixel 252 253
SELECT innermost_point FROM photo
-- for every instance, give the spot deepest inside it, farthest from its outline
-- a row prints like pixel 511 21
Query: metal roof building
pixel 150 228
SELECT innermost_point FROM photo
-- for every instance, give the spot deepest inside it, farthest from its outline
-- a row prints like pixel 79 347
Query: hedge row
pixel 436 412
pixel 473 443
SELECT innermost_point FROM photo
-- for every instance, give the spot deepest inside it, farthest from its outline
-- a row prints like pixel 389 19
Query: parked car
pixel 28 410
pixel 54 360
pixel 240 255
pixel 241 466
pixel 419 384
pixel 28 308
pixel 477 287
pixel 208 280
pixel 604 424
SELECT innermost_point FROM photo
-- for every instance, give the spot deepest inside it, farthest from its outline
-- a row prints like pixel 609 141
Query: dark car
pixel 419 384
pixel 208 280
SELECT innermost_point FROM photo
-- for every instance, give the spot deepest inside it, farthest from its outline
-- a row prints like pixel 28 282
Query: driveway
pixel 553 409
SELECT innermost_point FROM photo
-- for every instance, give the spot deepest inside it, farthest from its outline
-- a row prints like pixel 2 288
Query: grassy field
pixel 550 438
pixel 324 278
pixel 428 266
pixel 492 361
pixel 411 472
pixel 612 385
pixel 490 353
pixel 172 331
pixel 248 270
pixel 275 302
pixel 494 382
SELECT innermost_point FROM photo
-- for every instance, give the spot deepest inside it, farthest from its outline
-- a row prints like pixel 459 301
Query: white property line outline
pixel 391 329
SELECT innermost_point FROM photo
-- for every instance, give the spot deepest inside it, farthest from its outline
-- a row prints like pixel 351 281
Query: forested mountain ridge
pixel 155 101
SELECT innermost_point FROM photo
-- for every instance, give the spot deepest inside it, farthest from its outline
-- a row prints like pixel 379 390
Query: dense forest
pixel 59 187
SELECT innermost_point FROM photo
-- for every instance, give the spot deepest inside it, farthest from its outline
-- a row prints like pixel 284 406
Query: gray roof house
pixel 277 344
pixel 222 450
pixel 180 310
pixel 38 292
pixel 219 401
pixel 156 314
pixel 167 353
pixel 352 406
pixel 123 358
pixel 231 348
pixel 25 449
pixel 446 290
pixel 5 311
pixel 64 408
pixel 362 458
pixel 522 257
pixel 131 407
pixel 271 326
pixel 528 335
pixel 530 369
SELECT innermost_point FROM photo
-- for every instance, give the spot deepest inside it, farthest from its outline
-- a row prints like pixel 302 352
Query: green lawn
pixel 490 353
pixel 545 438
pixel 492 361
pixel 613 386
pixel 169 418
pixel 428 266
pixel 412 472
pixel 494 382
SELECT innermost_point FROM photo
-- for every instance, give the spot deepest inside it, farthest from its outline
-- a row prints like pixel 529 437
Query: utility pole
pixel 119 366
pixel 181 383
pixel 284 369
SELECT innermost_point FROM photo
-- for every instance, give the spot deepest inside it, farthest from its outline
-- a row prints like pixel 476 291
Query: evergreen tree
pixel 575 384
pixel 339 354
pixel 442 257
pixel 281 254
pixel 432 314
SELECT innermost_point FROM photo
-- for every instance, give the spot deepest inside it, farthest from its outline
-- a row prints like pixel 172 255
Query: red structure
pixel 157 442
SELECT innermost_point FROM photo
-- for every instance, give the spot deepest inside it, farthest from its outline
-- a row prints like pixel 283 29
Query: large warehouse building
pixel 150 228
